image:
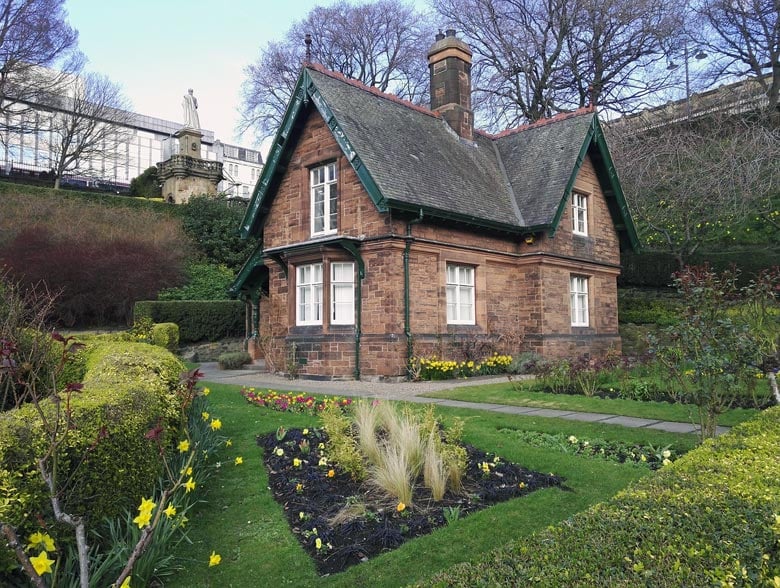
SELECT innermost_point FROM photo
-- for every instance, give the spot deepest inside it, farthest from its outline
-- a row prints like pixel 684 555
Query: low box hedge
pixel 709 519
pixel 198 320
pixel 105 462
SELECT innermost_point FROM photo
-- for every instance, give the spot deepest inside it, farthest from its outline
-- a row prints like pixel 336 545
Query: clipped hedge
pixel 710 518
pixel 198 320
pixel 648 307
pixel 166 335
pixel 106 459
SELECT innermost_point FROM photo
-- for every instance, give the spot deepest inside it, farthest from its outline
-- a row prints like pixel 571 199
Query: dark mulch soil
pixel 311 499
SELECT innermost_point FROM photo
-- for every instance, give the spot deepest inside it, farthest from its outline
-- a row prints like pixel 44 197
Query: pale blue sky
pixel 156 49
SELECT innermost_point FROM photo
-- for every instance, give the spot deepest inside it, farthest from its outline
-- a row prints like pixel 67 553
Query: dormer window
pixel 579 213
pixel 324 201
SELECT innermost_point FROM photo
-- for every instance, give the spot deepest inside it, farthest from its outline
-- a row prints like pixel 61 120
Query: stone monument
pixel 187 174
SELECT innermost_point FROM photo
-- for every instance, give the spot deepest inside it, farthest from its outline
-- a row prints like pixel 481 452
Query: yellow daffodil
pixel 521 485
pixel 206 391
pixel 143 519
pixel 401 507
pixel 43 540
pixel 126 582
pixel 229 443
pixel 170 512
pixel 42 563
pixel 321 446
pixel 147 505
pixel 204 415
pixel 299 487
pixel 214 559
pixel 188 471
pixel 189 485
pixel 216 424
pixel 318 543
pixel 184 446
pixel 239 460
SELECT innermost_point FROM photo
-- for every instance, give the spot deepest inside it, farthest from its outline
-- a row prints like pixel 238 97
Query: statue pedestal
pixel 186 174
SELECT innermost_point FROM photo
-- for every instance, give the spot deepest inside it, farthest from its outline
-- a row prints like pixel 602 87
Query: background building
pixel 26 136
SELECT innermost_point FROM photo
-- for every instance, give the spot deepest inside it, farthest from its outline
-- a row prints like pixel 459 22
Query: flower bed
pixel 341 522
pixel 432 368
pixel 291 402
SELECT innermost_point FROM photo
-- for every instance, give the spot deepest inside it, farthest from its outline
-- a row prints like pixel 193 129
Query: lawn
pixel 662 411
pixel 240 520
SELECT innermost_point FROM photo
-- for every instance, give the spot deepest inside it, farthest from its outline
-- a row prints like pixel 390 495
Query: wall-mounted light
pixel 529 239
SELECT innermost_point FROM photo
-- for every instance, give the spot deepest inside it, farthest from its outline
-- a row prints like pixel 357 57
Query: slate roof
pixel 408 158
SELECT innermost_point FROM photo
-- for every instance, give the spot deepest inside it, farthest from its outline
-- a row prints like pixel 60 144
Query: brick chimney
pixel 449 61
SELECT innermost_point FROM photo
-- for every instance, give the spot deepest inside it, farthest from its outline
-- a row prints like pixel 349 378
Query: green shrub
pixel 234 360
pixel 644 307
pixel 198 320
pixel 708 519
pixel 205 281
pixel 105 462
pixel 166 335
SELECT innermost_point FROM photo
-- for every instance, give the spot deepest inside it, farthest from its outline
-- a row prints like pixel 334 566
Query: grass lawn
pixel 662 411
pixel 240 520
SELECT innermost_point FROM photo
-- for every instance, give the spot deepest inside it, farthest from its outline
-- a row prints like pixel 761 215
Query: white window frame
pixel 324 196
pixel 579 213
pixel 461 304
pixel 342 293
pixel 308 299
pixel 578 300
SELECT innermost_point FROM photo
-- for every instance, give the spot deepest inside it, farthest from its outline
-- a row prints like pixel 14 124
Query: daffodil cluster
pixel 43 544
pixel 442 369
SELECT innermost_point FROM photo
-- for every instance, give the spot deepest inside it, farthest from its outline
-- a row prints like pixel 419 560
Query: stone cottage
pixel 388 231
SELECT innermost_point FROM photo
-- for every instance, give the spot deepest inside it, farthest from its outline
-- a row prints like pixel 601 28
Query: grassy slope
pixel 663 411
pixel 242 522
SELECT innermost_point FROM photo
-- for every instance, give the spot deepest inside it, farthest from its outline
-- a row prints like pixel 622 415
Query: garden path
pixel 254 376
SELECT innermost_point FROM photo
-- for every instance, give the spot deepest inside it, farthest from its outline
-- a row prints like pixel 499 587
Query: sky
pixel 157 49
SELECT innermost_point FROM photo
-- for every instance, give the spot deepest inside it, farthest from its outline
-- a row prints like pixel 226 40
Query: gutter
pixel 407 287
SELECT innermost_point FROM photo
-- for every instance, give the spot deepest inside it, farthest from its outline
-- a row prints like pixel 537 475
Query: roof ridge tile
pixel 539 123
pixel 371 89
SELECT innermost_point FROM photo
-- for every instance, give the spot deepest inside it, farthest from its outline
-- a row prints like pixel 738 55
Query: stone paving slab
pixel 589 417
pixel 633 422
pixel 549 412
pixel 674 427
pixel 527 410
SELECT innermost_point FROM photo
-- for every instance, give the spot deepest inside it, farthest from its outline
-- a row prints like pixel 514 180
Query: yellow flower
pixel 42 563
pixel 143 519
pixel 184 446
pixel 331 473
pixel 521 485
pixel 170 512
pixel 204 415
pixel 206 391
pixel 401 507
pixel 306 431
pixel 239 460
pixel 318 543
pixel 642 457
pixel 323 461
pixel 214 559
pixel 216 424
pixel 280 452
pixel 296 462
pixel 189 486
pixel 147 505
pixel 229 443
pixel 126 583
pixel 299 487
pixel 39 539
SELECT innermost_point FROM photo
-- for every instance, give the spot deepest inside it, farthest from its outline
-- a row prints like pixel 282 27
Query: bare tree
pixel 88 126
pixel 37 56
pixel 537 57
pixel 744 37
pixel 382 44
pixel 692 184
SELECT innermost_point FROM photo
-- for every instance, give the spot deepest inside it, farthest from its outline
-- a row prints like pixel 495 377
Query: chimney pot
pixel 439 36
pixel 450 32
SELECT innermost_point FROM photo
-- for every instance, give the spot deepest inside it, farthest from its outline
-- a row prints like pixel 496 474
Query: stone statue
pixel 190 106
